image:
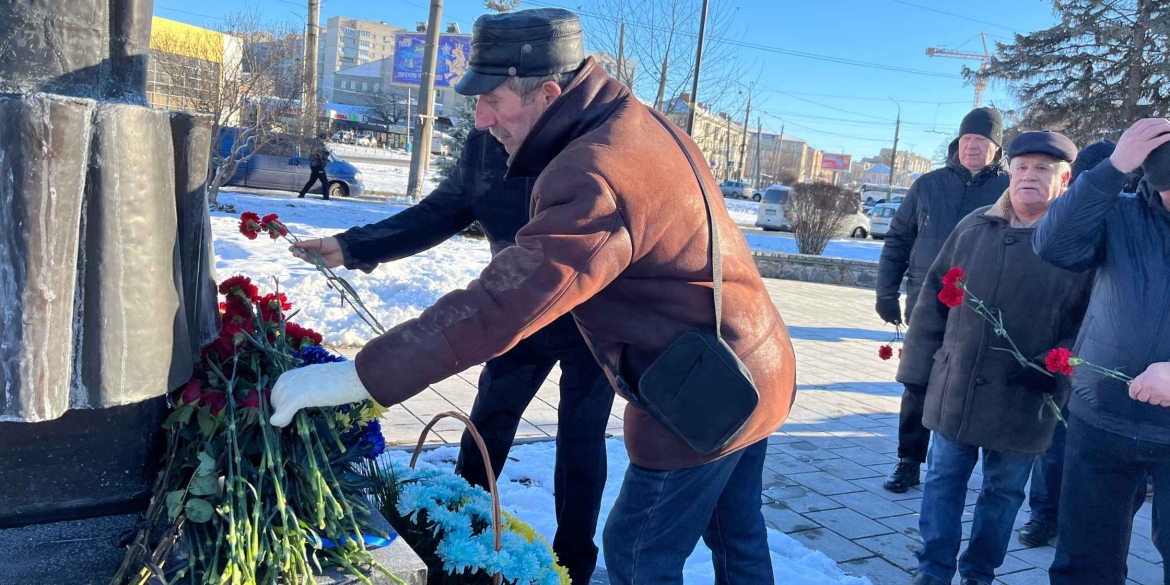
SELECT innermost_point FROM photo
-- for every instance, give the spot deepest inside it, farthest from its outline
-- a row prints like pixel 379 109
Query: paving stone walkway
pixel 824 470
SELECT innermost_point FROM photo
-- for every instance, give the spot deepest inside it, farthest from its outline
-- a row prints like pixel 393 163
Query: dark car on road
pixel 281 162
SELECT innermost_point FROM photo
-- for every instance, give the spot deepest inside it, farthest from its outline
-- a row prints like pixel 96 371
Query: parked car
pixel 880 217
pixel 773 212
pixel 855 226
pixel 281 163
pixel 882 195
pixel 738 190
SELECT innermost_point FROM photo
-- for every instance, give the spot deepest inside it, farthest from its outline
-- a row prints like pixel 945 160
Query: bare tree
pixel 501 6
pixel 390 106
pixel 816 213
pixel 248 81
pixel 661 36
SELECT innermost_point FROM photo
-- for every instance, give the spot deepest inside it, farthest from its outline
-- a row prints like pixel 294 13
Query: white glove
pixel 332 384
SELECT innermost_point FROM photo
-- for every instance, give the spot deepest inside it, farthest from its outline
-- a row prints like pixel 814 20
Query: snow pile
pixel 395 291
pixel 346 150
pixel 526 490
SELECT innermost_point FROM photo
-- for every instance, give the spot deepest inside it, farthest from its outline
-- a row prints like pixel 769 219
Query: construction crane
pixel 984 59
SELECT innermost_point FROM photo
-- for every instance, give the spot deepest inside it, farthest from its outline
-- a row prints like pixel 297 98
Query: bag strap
pixel 716 254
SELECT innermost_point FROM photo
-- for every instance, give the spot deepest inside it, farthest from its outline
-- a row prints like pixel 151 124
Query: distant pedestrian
pixel 318 158
pixel 981 398
pixel 936 202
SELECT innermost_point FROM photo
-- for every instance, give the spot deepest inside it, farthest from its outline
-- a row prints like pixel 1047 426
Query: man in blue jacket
pixel 1118 434
pixel 477 191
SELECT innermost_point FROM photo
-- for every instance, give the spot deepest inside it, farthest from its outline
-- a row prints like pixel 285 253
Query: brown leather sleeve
pixel 574 246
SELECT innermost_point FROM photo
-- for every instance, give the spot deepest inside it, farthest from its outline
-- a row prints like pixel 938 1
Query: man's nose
pixel 483 118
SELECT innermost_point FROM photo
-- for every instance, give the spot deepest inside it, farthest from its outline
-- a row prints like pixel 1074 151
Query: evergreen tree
pixel 1103 66
pixel 461 124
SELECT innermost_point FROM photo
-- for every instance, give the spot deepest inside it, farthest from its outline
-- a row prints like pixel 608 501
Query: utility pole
pixel 780 151
pixel 759 133
pixel 894 153
pixel 743 143
pixel 309 99
pixel 727 149
pixel 698 69
pixel 409 132
pixel 621 65
pixel 421 153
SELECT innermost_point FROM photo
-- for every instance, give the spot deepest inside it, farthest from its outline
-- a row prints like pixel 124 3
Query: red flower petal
pixel 241 284
pixel 250 224
pixel 190 392
pixel 952 276
pixel 214 402
pixel 885 352
pixel 951 296
pixel 1057 361
pixel 252 400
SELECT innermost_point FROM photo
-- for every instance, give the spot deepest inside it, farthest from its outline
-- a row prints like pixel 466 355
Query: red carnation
pixel 271 306
pixel 886 352
pixel 953 276
pixel 951 296
pixel 190 392
pixel 298 336
pixel 239 284
pixel 250 225
pixel 222 307
pixel 273 226
pixel 221 346
pixel 214 401
pixel 1060 361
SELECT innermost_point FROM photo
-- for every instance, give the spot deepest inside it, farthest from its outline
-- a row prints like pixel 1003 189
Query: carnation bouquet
pixel 240 501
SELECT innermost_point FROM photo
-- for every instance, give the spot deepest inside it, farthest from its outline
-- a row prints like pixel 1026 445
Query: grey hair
pixel 526 87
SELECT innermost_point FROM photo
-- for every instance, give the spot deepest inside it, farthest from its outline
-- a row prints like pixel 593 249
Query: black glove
pixel 890 310
pixel 1033 380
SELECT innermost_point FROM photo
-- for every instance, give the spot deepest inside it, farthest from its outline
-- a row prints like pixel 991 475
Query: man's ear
pixel 1065 178
pixel 550 90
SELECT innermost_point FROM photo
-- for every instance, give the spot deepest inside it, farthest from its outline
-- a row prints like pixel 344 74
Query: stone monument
pixel 106 283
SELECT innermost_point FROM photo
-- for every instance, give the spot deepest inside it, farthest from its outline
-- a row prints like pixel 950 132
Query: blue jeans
pixel 1045 493
pixel 1102 472
pixel 659 517
pixel 944 494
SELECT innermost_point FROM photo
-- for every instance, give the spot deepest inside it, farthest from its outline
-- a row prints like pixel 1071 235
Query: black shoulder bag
pixel 698 388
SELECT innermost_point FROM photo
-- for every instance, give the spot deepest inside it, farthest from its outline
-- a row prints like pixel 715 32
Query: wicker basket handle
pixel 497 524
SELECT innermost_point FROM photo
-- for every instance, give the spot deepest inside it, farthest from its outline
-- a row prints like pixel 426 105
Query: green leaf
pixel 206 464
pixel 206 422
pixel 174 504
pixel 204 485
pixel 180 416
pixel 199 510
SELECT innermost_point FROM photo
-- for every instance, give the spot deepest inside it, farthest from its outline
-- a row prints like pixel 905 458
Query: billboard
pixel 836 162
pixel 450 64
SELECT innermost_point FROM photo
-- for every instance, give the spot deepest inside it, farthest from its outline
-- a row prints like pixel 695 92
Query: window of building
pixel 349 31
pixel 365 86
pixel 177 82
pixel 364 44
pixel 377 87
pixel 364 33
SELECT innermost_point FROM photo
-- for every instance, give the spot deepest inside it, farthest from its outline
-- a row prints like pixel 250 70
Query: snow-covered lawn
pixel 743 211
pixel 847 248
pixel 532 502
pixel 386 179
pixel 395 291
pixel 344 150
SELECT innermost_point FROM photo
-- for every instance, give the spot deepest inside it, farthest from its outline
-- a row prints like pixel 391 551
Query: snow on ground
pixel 394 292
pixel 532 502
pixel 386 179
pixel 743 211
pixel 344 150
pixel 846 248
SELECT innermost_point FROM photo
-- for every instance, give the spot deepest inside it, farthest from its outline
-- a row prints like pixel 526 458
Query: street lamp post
pixel 894 152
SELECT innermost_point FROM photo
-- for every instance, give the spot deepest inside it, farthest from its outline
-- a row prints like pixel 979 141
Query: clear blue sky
pixel 891 33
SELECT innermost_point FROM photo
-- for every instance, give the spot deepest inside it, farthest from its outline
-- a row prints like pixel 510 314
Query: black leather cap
pixel 1053 144
pixel 526 43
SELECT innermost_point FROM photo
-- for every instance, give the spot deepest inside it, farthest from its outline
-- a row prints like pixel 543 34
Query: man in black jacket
pixel 937 201
pixel 476 191
pixel 317 161
pixel 1118 433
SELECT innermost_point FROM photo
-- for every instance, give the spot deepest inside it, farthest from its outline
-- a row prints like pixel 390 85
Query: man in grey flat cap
pixel 980 401
pixel 632 237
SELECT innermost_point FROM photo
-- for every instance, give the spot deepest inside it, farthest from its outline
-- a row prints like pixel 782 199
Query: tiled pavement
pixel 824 470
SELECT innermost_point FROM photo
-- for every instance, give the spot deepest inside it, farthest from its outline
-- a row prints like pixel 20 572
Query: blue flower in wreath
pixel 315 354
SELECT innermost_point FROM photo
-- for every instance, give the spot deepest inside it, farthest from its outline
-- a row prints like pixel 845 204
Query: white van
pixel 871 197
pixel 880 217
pixel 773 213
